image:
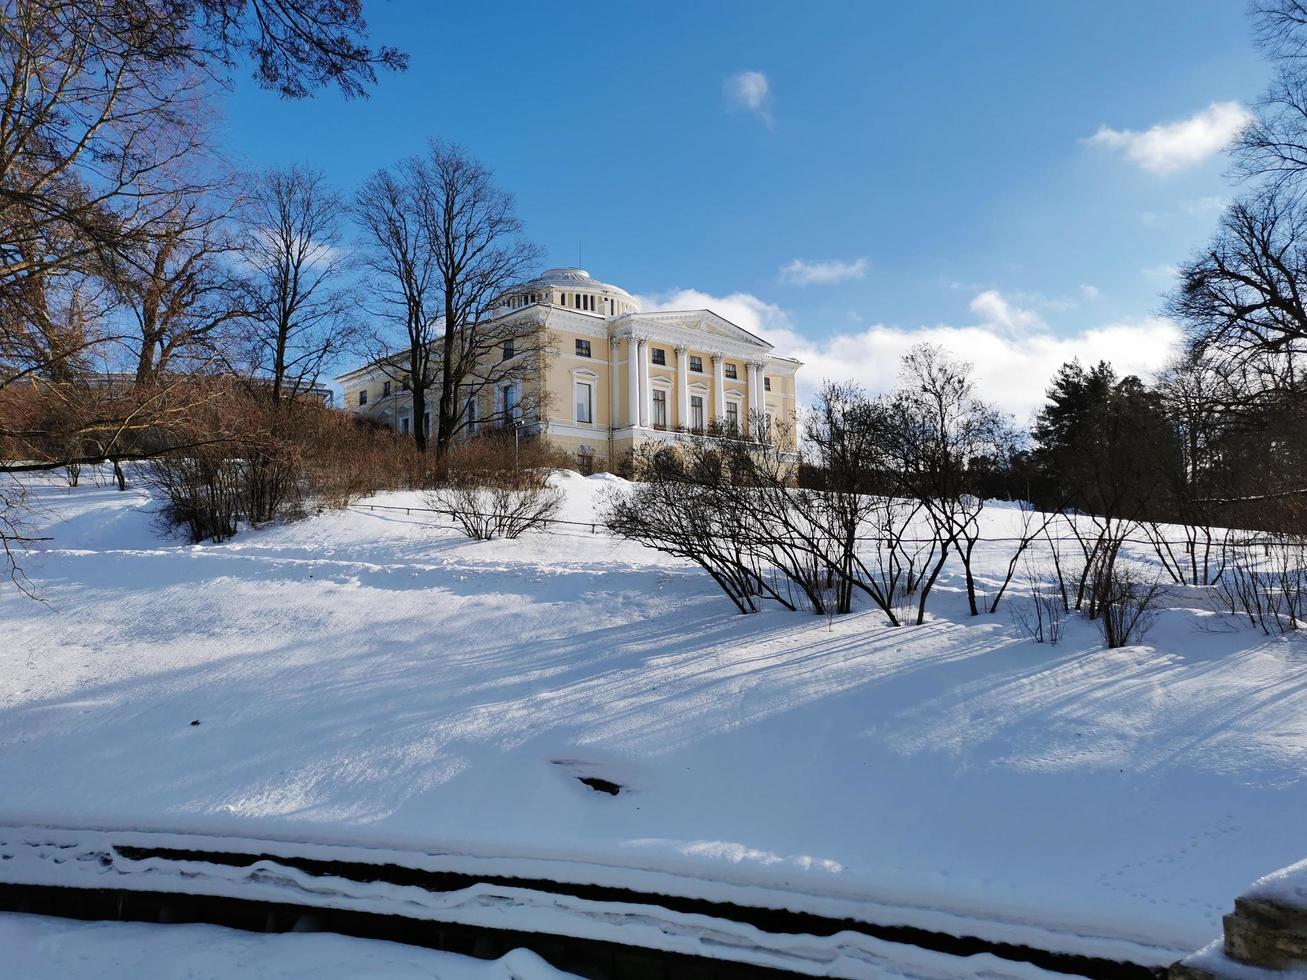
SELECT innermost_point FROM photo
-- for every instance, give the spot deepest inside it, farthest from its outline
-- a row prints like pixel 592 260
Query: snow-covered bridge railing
pixel 603 928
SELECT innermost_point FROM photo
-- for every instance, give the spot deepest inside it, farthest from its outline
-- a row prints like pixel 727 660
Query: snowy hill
pixel 366 678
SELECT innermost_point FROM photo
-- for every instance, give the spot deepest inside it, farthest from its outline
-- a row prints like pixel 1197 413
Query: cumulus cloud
pixel 1000 313
pixel 751 91
pixel 1168 147
pixel 1014 350
pixel 802 272
pixel 743 309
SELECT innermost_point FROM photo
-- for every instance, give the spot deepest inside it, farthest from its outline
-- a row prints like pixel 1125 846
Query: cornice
pixel 676 334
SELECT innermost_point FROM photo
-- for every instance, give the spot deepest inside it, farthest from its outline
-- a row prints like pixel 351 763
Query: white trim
pixel 586 376
pixel 589 379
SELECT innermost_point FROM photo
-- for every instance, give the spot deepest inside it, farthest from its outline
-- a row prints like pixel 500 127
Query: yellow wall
pixel 610 388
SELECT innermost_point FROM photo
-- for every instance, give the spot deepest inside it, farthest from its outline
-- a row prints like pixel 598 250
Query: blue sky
pixel 932 167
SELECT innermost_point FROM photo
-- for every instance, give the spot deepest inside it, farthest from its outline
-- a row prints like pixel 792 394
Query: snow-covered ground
pixel 367 679
pixel 41 948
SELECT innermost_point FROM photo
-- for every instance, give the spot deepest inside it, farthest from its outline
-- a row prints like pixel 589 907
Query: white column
pixel 683 387
pixel 646 398
pixel 751 386
pixel 719 388
pixel 632 382
pixel 612 383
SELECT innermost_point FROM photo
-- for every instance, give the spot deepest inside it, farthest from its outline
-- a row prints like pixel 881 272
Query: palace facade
pixel 612 376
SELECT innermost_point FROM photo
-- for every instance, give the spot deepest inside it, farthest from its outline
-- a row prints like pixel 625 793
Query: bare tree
pixel 479 255
pixel 1274 145
pixel 300 304
pixel 937 438
pixel 1242 299
pixel 102 109
pixel 297 46
pixel 181 288
pixel 398 256
pixel 444 249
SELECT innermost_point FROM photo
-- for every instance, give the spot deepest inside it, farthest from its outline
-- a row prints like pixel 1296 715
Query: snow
pixel 1286 887
pixel 42 948
pixel 367 680
pixel 1212 959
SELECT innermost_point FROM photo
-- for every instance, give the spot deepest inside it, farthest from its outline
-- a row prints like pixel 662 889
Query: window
pixel 659 355
pixel 363 397
pixel 426 422
pixel 696 363
pixel 508 348
pixel 584 402
pixel 385 389
pixel 733 416
pixel 660 409
pixel 403 425
pixel 766 384
pixel 583 348
pixel 510 400
pixel 731 372
pixel 407 383
pixel 470 411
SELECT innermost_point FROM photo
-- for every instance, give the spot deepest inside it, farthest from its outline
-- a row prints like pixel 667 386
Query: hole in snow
pixel 583 772
pixel 601 785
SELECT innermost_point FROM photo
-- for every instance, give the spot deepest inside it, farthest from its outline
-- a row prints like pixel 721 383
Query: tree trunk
pixel 419 411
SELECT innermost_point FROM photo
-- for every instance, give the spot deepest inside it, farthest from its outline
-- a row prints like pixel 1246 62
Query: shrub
pixel 1265 581
pixel 496 486
pixel 1042 618
pixel 1126 604
pixel 202 489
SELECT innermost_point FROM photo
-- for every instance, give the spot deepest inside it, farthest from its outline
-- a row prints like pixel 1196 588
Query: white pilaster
pixel 612 382
pixel 646 393
pixel 719 388
pixel 632 382
pixel 751 386
pixel 683 387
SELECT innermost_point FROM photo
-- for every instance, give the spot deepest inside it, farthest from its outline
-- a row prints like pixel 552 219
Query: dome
pixel 573 279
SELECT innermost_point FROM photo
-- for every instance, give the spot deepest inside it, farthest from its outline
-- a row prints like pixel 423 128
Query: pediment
pixel 706 322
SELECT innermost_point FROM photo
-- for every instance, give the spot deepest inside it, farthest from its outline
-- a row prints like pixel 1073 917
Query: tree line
pixel 156 305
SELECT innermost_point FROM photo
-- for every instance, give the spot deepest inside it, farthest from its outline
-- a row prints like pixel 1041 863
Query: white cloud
pixel 750 90
pixel 999 312
pixel 1168 147
pixel 1014 350
pixel 1088 292
pixel 743 309
pixel 801 272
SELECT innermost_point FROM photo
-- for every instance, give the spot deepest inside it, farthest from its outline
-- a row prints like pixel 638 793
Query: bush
pixel 245 457
pixel 684 505
pixel 1265 581
pixel 203 490
pixel 1043 617
pixel 496 486
pixel 1126 604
